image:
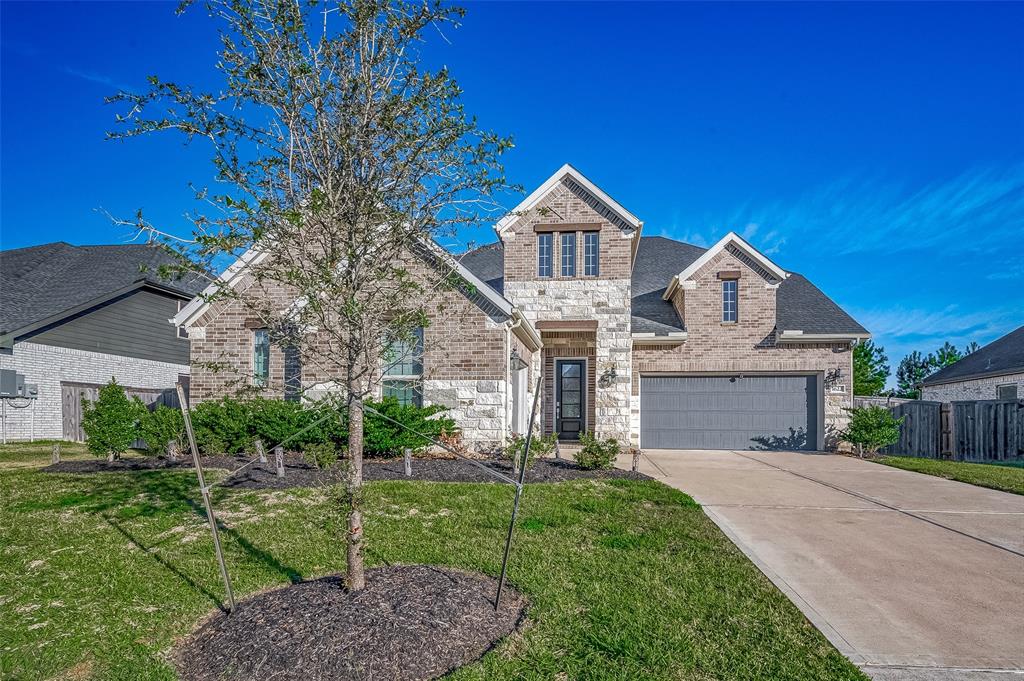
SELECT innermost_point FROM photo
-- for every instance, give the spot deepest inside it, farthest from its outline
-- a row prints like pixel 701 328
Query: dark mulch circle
pixel 410 622
pixel 149 463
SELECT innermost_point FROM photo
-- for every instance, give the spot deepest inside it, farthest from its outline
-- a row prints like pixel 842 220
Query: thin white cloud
pixel 97 78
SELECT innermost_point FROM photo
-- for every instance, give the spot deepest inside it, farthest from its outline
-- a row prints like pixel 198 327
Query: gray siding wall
pixel 133 325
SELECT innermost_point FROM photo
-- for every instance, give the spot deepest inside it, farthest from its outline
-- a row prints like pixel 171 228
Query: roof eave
pixel 974 376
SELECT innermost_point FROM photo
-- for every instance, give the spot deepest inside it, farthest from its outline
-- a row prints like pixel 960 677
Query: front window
pixel 543 255
pixel 569 254
pixel 261 358
pixel 729 303
pixel 591 251
pixel 1006 392
pixel 403 370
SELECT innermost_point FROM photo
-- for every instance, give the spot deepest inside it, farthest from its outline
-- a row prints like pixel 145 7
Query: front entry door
pixel 570 398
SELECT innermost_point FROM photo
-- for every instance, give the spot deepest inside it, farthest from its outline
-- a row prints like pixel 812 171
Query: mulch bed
pixel 410 622
pixel 148 463
pixel 298 473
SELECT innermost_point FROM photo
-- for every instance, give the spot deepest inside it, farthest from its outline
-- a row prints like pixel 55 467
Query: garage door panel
pixel 721 412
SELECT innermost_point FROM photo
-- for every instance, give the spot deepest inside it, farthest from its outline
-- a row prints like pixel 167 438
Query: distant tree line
pixel 871 368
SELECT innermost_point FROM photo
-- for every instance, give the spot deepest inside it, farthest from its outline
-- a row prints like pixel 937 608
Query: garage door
pixel 728 412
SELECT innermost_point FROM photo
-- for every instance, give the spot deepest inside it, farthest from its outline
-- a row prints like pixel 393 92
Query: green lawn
pixel 1007 477
pixel 627 580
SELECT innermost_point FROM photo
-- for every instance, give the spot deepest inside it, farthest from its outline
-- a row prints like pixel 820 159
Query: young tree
pixel 912 369
pixel 111 422
pixel 872 428
pixel 970 347
pixel 870 369
pixel 344 158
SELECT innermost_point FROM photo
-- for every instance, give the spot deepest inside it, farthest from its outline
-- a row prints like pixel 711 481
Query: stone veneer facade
pixel 604 298
pixel 973 389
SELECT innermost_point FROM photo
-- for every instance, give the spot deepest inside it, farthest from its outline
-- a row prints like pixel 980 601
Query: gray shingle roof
pixel 41 282
pixel 800 304
pixel 1001 356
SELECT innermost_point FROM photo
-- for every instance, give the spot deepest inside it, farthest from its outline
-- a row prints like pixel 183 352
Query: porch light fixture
pixel 608 377
pixel 515 362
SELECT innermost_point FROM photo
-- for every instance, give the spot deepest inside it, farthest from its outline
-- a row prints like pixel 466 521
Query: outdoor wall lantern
pixel 515 362
pixel 607 378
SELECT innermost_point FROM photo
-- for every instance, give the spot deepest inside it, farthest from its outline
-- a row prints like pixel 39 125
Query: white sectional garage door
pixel 728 412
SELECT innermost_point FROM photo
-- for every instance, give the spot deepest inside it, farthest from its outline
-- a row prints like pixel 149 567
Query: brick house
pixel 994 372
pixel 652 341
pixel 73 317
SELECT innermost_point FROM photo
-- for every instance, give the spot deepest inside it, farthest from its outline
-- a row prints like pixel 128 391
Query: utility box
pixel 12 384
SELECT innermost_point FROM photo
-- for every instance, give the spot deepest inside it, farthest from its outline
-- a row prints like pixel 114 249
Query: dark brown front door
pixel 570 398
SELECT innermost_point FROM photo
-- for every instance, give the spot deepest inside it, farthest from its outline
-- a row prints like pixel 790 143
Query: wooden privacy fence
pixel 72 395
pixel 978 430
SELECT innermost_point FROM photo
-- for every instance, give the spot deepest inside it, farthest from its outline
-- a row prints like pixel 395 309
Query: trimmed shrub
pixel 872 428
pixel 222 427
pixel 160 427
pixel 111 422
pixel 540 446
pixel 384 438
pixel 595 454
pixel 321 454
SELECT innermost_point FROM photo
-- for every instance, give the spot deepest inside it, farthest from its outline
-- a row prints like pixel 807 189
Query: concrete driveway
pixel 910 576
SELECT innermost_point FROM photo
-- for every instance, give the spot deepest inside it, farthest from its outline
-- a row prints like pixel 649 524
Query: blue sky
pixel 876 148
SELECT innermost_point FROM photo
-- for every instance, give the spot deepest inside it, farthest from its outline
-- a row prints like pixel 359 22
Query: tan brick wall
pixel 746 346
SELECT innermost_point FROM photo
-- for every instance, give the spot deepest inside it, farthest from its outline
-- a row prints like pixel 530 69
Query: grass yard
pixel 1006 477
pixel 627 579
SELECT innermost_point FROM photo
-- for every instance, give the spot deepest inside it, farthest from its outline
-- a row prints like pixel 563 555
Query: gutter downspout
pixel 506 416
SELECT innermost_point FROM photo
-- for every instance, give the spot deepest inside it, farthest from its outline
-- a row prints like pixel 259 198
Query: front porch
pixel 569 368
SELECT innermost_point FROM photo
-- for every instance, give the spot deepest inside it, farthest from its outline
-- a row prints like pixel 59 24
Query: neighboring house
pixel 652 341
pixel 73 317
pixel 994 372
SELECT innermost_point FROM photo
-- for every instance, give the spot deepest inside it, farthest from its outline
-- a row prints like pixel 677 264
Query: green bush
pixel 540 446
pixel 160 427
pixel 321 454
pixel 382 437
pixel 222 427
pixel 595 454
pixel 111 422
pixel 230 426
pixel 872 428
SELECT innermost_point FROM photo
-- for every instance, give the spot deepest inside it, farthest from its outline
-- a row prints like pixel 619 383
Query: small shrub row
pixel 230 426
pixel 540 446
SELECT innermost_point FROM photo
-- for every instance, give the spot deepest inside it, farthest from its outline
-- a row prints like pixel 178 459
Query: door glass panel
pixel 570 384
pixel 570 427
pixel 570 411
pixel 570 369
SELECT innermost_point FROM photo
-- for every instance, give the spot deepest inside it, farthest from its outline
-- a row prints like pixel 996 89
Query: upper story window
pixel 403 370
pixel 591 252
pixel 568 254
pixel 729 300
pixel 544 255
pixel 261 358
pixel 1006 392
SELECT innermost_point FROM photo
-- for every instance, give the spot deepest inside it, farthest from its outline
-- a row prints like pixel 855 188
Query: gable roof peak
pixel 614 212
pixel 737 245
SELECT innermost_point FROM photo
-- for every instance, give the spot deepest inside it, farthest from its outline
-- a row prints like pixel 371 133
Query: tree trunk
pixel 356 576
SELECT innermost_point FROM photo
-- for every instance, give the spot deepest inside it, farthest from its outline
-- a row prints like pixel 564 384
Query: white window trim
pixel 596 255
pixel 562 254
pixel 735 301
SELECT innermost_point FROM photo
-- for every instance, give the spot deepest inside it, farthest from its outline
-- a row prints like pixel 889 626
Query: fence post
pixel 408 462
pixel 260 452
pixel 55 454
pixel 279 460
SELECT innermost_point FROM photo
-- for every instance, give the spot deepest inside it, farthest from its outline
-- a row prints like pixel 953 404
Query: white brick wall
pixel 977 389
pixel 47 366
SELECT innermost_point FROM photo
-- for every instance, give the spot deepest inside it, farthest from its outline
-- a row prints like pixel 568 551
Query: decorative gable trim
pixel 604 205
pixel 733 244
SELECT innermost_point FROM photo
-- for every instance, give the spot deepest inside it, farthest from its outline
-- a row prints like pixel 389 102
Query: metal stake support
pixel 206 499
pixel 519 492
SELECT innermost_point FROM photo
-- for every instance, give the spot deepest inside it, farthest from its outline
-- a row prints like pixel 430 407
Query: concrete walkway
pixel 910 576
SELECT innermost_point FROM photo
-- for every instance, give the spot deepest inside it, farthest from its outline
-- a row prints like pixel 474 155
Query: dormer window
pixel 544 255
pixel 568 254
pixel 730 312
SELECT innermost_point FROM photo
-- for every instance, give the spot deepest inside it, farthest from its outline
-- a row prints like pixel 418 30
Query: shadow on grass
pixel 119 497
